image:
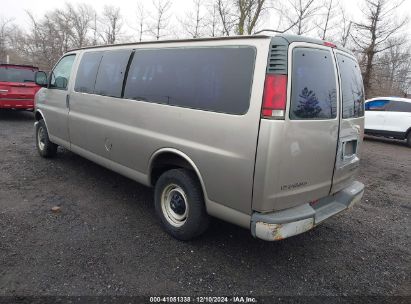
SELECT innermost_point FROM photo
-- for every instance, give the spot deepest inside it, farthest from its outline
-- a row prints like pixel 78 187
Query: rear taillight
pixel 275 96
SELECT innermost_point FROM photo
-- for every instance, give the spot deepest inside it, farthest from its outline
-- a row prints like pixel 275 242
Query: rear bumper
pixel 6 103
pixel 285 223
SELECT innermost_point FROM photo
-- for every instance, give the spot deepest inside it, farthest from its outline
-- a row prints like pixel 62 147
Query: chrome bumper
pixel 279 225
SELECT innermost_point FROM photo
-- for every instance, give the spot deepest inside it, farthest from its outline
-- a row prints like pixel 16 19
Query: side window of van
pixel 60 76
pixel 351 86
pixel 215 79
pixel 399 106
pixel 313 85
pixel 87 72
pixel 111 72
pixel 376 105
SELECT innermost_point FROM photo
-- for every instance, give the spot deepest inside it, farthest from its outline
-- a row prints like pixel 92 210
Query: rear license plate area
pixel 350 148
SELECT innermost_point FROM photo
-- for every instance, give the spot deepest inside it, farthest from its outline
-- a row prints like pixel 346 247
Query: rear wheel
pixel 409 139
pixel 44 146
pixel 180 204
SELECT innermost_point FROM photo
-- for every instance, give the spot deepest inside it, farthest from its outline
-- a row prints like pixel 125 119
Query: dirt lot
pixel 107 240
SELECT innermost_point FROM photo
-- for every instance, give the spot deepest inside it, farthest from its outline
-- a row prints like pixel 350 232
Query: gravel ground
pixel 107 240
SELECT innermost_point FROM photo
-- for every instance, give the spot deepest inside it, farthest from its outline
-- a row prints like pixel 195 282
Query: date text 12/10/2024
pixel 200 299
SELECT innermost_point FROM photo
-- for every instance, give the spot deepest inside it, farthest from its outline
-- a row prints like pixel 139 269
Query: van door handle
pixel 68 101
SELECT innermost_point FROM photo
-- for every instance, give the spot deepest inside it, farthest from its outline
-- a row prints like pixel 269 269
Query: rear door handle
pixel 68 101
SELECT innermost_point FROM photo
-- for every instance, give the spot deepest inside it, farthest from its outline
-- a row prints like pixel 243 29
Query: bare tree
pixel 326 17
pixel 211 20
pixel 392 70
pixel 111 23
pixel 6 29
pixel 81 20
pixel 249 12
pixel 371 35
pixel 60 21
pixel 58 31
pixel 48 39
pixel 141 19
pixel 399 64
pixel 16 47
pixel 298 14
pixel 94 28
pixel 160 18
pixel 346 25
pixel 333 22
pixel 225 11
pixel 193 20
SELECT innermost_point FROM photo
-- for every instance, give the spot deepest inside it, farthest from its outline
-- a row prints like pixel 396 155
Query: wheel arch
pixel 169 158
pixel 38 115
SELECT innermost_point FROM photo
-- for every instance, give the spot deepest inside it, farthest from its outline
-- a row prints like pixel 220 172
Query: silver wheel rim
pixel 174 205
pixel 41 138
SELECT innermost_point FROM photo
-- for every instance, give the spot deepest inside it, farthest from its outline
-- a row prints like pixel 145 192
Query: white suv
pixel 389 117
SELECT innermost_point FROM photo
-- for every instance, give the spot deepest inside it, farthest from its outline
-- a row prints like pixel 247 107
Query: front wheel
pixel 409 139
pixel 179 203
pixel 44 146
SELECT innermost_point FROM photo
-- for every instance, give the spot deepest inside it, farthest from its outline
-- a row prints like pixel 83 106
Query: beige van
pixel 263 132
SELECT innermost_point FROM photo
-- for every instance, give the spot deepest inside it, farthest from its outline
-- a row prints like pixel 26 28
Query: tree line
pixel 378 37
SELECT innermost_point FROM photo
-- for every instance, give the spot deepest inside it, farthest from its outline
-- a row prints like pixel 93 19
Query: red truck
pixel 17 86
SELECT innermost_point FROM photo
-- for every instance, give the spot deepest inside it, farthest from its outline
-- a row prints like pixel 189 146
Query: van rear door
pixel 296 155
pixel 352 121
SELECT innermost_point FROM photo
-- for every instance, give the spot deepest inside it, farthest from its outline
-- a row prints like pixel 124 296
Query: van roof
pixel 290 38
pixel 175 40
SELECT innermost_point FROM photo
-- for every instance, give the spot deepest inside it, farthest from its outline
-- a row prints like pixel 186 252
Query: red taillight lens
pixel 275 96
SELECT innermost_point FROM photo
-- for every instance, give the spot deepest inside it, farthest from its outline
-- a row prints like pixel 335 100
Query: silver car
pixel 263 132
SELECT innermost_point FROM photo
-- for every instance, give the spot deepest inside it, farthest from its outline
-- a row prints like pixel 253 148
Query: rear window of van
pixel 351 86
pixel 313 85
pixel 215 79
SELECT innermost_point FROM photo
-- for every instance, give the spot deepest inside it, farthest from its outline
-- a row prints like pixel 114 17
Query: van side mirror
pixel 60 82
pixel 40 78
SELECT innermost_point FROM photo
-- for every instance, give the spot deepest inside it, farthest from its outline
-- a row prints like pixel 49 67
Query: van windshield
pixel 351 86
pixel 14 74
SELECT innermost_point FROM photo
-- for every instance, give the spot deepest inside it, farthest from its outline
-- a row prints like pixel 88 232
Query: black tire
pixel 409 139
pixel 196 220
pixel 44 146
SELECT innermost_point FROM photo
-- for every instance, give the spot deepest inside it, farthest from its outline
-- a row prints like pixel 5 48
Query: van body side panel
pixel 88 120
pixel 222 146
pixel 105 162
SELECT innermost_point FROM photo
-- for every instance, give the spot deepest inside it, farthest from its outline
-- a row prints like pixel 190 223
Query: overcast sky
pixel 16 9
